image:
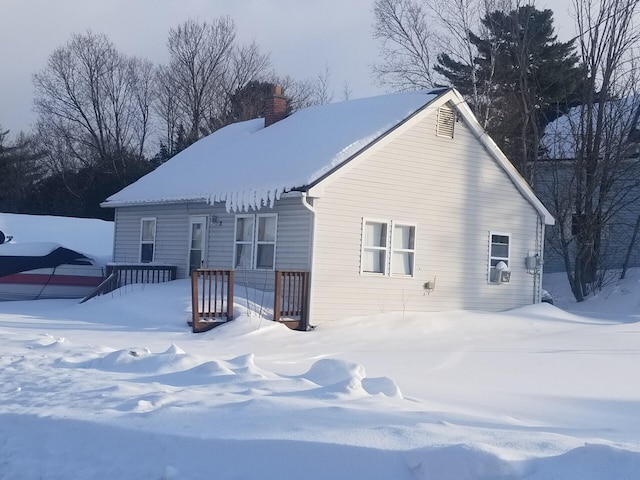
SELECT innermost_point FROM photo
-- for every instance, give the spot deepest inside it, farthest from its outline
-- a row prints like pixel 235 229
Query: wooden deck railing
pixel 211 298
pixel 291 299
pixel 212 295
pixel 118 275
pixel 141 273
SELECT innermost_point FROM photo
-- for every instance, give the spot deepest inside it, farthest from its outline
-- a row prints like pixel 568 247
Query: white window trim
pixel 205 238
pixel 236 242
pixel 254 241
pixel 507 258
pixel 257 242
pixel 363 247
pixel 393 250
pixel 147 242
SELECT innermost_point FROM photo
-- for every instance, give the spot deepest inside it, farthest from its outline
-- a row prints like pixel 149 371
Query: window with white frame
pixel 255 241
pixel 147 239
pixel 388 248
pixel 499 247
pixel 266 241
pixel 403 250
pixel 244 241
pixel 374 247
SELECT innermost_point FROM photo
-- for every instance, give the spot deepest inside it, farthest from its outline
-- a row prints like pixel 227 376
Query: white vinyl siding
pixel 454 192
pixel 172 233
pixel 147 239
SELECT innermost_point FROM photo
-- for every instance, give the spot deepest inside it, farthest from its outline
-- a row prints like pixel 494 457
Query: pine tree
pixel 527 76
pixel 20 171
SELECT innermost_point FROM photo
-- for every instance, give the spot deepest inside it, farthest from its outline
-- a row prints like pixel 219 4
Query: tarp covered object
pixel 11 264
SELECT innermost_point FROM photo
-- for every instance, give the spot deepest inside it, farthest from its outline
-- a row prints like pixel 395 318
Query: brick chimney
pixel 275 108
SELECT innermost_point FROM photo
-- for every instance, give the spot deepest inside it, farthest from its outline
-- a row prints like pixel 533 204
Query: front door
pixel 197 242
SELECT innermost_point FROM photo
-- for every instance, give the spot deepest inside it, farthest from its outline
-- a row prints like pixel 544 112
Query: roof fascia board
pixel 153 202
pixel 453 96
pixel 521 184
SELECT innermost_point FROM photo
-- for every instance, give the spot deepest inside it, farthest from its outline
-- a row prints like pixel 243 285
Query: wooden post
pixel 230 284
pixel 213 286
pixel 195 313
pixel 276 296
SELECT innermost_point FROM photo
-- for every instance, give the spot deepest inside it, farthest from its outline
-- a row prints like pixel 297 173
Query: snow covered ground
pixel 119 387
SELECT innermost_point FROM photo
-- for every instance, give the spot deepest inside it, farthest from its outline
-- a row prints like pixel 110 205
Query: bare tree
pixel 168 111
pixel 307 92
pixel 599 183
pixel 406 41
pixel 247 64
pixel 199 55
pixel 93 107
pixel 206 68
pixel 346 91
pixel 321 87
pixel 414 35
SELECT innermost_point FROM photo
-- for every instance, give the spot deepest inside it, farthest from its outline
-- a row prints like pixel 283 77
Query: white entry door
pixel 197 242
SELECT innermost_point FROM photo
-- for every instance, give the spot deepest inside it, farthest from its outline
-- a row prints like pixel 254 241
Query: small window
pixel 499 266
pixel 255 241
pixel 446 122
pixel 374 247
pixel 578 221
pixel 403 251
pixel 147 240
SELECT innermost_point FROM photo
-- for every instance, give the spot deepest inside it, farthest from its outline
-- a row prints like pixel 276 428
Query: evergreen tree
pixel 527 74
pixel 20 171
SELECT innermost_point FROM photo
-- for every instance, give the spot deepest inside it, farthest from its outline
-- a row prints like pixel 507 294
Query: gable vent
pixel 446 120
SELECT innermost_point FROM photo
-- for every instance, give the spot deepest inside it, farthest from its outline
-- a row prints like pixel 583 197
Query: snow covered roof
pixel 247 166
pixel 563 136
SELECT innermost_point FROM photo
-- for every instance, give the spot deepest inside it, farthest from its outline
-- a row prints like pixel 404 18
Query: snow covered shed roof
pixel 247 166
pixel 621 121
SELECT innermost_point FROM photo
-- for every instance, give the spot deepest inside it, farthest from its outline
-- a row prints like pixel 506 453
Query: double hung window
pixel 147 240
pixel 404 249
pixel 388 248
pixel 374 251
pixel 498 256
pixel 255 241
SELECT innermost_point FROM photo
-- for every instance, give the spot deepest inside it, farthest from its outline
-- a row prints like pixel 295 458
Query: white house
pixel 398 202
